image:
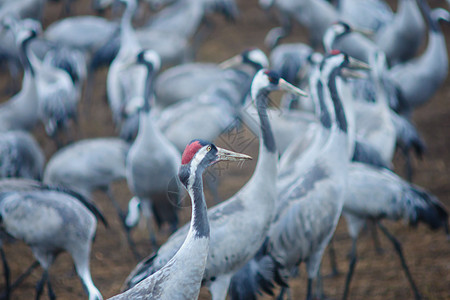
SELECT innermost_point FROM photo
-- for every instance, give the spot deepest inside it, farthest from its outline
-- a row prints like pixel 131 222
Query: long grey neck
pixel 24 57
pixel 199 222
pixel 341 119
pixel 267 139
pixel 127 34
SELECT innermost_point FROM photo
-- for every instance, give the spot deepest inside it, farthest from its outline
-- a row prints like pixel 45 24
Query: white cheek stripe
pixel 198 157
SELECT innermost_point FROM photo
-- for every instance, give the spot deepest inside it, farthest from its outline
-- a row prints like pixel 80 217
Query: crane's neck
pixel 128 37
pixel 266 167
pixel 341 120
pixel 199 216
pixel 23 54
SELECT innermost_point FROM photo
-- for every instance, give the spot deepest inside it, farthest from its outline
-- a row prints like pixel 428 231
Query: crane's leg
pixel 351 268
pixel 333 262
pixel 284 290
pixel 122 217
pixel 148 214
pixel 375 239
pixel 40 284
pixel 6 273
pixel 21 278
pixel 219 287
pixel 51 293
pixel 398 249
pixel 309 289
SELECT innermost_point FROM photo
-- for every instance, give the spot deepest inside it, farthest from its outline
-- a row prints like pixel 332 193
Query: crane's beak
pixel 365 32
pixel 286 86
pixel 228 155
pixel 357 64
pixel 231 62
pixel 352 73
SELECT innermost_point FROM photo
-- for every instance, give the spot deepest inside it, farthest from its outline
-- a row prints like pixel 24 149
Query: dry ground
pixel 376 276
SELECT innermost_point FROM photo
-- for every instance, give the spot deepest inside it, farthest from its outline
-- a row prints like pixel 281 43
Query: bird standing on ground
pixel 308 209
pixel 50 221
pixel 153 161
pixel 181 277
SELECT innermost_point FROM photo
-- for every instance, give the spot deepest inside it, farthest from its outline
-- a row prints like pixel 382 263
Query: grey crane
pixel 152 161
pixel 181 277
pixel 379 194
pixel 371 15
pixel 20 155
pixel 401 38
pixel 125 82
pixel 417 80
pixel 50 220
pixel 190 79
pixel 239 224
pixel 173 32
pixel 86 33
pixel 88 165
pixel 308 209
pixel 57 95
pixel 20 112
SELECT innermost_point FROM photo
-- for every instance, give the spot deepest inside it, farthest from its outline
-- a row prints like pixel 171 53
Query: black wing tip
pixel 434 214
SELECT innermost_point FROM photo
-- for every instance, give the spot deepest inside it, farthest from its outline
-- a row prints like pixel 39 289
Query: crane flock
pixel 327 145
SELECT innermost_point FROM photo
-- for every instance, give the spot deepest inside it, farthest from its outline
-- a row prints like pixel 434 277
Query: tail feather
pixel 259 275
pixel 427 209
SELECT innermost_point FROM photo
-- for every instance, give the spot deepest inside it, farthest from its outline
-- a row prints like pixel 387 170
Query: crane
pixel 379 194
pixel 181 277
pixel 152 161
pixel 417 80
pixel 50 220
pixel 239 224
pixel 308 208
pixel 20 112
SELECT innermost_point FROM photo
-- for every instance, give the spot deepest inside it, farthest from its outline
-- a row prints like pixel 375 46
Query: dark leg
pixel 309 289
pixel 281 294
pixel 408 165
pixel 398 249
pixel 6 273
pixel 122 217
pixel 40 284
pixel 375 239
pixel 21 278
pixel 351 268
pixel 51 294
pixel 333 262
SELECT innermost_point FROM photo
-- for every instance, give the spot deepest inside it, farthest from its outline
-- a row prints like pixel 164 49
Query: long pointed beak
pixel 286 86
pixel 365 32
pixel 231 62
pixel 352 73
pixel 357 64
pixel 223 154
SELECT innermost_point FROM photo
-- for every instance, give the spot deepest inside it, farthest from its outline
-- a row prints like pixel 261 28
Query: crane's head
pixel 336 59
pixel 27 33
pixel 253 56
pixel 266 81
pixel 338 30
pixel 200 154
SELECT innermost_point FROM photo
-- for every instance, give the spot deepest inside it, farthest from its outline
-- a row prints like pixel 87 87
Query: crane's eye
pixel 208 148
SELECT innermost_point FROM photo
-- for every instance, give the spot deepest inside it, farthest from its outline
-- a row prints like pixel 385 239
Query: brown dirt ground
pixel 376 276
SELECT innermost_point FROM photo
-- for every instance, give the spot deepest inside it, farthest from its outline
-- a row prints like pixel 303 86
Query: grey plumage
pixel 378 194
pixel 39 216
pixel 418 79
pixel 248 212
pixel 308 208
pixel 181 277
pixel 20 156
